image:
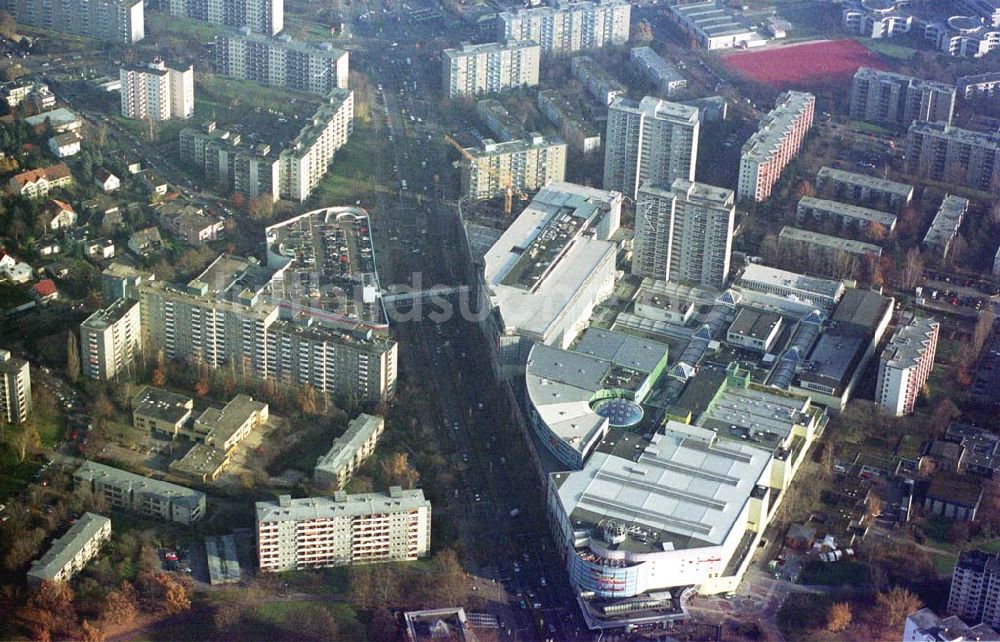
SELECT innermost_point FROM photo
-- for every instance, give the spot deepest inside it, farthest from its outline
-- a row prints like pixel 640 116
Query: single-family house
pixel 145 242
pixel 45 291
pixel 65 145
pixel 106 180
pixel 102 248
pixel 57 215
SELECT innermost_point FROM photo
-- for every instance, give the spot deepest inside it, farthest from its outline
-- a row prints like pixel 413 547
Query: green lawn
pixel 943 564
pixel 13 475
pixel 834 573
pixel 869 128
pixel 286 619
pixel 350 177
pixel 163 24
pixel 887 49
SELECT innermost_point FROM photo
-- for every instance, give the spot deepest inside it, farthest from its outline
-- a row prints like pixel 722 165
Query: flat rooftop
pixel 946 222
pixel 671 295
pixel 873 182
pixel 230 278
pixel 562 384
pixel 287 509
pixel 103 318
pixel 492 148
pixel 942 130
pixel 222 423
pixel 916 83
pixel 684 490
pixel 99 473
pixel 860 311
pixel 756 416
pixel 162 405
pixel 845 210
pixel 834 358
pixel 654 64
pixel 590 70
pixel 325 261
pixel 542 261
pixel 570 107
pixel 711 18
pixel 830 242
pixel 768 277
pixel 775 125
pixel 323 49
pixel 468 49
pixel 58 117
pixel 359 430
pixel 756 324
pixel 659 109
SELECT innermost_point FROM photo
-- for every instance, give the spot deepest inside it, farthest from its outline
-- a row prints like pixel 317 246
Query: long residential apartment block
pixel 849 216
pixel 70 553
pixel 652 140
pixel 684 232
pixel 15 388
pixel 471 70
pixel 576 128
pixel 944 227
pixel 118 21
pixel 775 143
pixel 291 172
pixel 144 495
pixel 522 165
pixel 110 340
pixel 666 77
pixel 305 161
pixel 980 85
pixel 600 83
pixel 905 365
pixel 261 16
pixel 349 451
pixel 157 92
pixel 280 62
pixel 223 159
pixel 812 243
pixel 863 189
pixel 306 318
pixel 953 155
pixel 888 98
pixel 318 532
pixel 569 27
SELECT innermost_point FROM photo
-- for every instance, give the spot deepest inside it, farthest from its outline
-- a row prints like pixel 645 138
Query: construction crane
pixel 506 182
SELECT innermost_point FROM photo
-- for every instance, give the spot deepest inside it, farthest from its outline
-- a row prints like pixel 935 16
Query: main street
pixel 516 572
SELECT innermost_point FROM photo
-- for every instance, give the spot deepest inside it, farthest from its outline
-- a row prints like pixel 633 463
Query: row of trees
pixel 880 620
pixel 54 610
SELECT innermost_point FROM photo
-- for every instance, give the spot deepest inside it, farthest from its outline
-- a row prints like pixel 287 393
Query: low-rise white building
pixel 65 145
pixel 349 451
pixel 70 553
pixel 144 495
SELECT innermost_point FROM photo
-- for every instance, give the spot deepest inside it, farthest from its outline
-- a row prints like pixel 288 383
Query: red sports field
pixel 830 63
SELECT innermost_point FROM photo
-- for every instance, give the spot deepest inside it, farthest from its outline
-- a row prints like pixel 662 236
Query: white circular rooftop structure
pixel 965 24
